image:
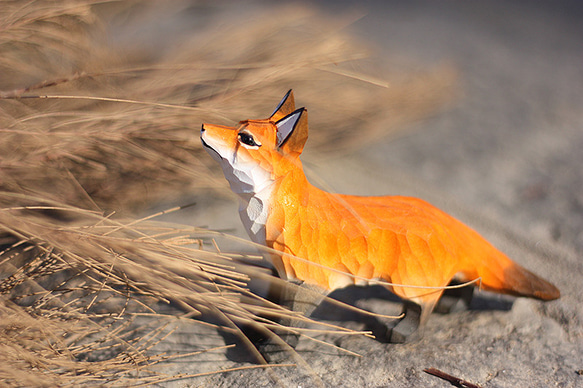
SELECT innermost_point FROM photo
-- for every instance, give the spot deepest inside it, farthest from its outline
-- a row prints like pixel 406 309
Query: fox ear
pixel 292 131
pixel 285 107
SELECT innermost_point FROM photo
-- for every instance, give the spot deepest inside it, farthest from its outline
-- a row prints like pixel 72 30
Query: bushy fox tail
pixel 500 274
pixel 517 280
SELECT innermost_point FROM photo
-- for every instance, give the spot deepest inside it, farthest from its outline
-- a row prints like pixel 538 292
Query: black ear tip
pixel 298 112
pixel 285 99
pixel 289 92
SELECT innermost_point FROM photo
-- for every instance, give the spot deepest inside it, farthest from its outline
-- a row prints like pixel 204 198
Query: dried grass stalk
pixel 86 299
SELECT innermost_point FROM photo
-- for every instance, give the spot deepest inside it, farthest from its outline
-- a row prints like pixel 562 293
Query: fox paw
pixel 407 327
pixel 276 352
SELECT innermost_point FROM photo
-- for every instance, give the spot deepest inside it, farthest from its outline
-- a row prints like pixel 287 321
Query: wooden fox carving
pixel 343 239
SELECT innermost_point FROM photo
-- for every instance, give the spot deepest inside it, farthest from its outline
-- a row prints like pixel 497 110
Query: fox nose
pixel 202 129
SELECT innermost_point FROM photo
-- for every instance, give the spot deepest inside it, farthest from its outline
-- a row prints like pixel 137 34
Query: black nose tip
pixel 202 129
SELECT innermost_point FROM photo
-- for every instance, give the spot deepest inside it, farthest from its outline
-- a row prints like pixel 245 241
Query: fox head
pixel 257 152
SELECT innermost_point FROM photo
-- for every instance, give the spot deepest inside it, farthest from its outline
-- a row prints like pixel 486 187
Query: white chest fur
pixel 254 212
pixel 254 187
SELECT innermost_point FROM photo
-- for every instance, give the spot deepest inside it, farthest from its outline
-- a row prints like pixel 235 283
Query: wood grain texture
pixel 334 240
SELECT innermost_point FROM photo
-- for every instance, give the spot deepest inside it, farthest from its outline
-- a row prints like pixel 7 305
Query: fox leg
pixel 301 299
pixel 407 325
pixel 416 312
pixel 454 299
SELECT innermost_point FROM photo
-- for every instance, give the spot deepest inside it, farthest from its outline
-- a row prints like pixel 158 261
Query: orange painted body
pixel 333 240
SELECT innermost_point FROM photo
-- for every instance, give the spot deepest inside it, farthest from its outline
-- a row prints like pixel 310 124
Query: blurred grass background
pixel 100 108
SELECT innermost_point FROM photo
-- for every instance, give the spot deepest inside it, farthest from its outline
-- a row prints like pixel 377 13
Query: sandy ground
pixel 506 159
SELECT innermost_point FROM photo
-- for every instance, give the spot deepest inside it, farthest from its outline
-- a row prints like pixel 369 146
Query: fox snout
pixel 214 136
pixel 204 138
pixel 202 130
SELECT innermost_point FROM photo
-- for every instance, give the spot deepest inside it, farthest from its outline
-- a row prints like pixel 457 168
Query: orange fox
pixel 334 240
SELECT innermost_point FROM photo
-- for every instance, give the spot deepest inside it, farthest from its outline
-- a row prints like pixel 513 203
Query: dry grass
pixel 74 289
pixel 117 129
pixel 125 155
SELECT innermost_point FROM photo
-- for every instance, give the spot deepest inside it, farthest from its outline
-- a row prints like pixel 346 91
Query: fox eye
pixel 247 138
